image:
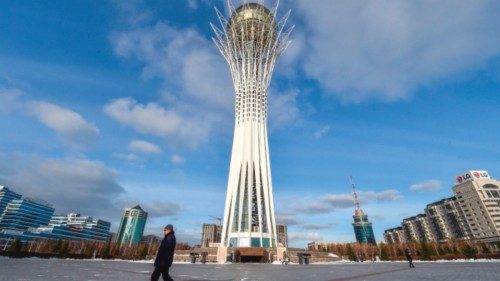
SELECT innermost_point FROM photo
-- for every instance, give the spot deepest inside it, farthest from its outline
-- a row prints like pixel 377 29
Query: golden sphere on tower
pixel 252 23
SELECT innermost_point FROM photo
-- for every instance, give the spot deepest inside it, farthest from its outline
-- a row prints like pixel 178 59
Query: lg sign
pixel 471 175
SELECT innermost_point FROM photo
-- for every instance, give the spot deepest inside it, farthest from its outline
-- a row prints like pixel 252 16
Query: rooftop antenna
pixel 355 195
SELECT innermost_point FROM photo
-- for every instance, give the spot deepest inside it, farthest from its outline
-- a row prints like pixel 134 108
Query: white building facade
pixel 394 235
pixel 251 41
pixel 418 229
pixel 478 196
pixel 447 220
pixel 74 227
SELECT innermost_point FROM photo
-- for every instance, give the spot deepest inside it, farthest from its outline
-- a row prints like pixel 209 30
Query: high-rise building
pixel 473 213
pixel 132 226
pixel 418 229
pixel 74 227
pixel 447 220
pixel 282 231
pixel 251 40
pixel 112 237
pixel 6 196
pixel 394 235
pixel 21 214
pixel 363 229
pixel 150 239
pixel 210 234
pixel 478 196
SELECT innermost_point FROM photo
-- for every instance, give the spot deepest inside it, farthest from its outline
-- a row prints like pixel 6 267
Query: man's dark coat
pixel 165 255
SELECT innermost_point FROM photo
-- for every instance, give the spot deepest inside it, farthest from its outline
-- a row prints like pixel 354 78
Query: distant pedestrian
pixel 409 258
pixel 165 255
pixel 285 260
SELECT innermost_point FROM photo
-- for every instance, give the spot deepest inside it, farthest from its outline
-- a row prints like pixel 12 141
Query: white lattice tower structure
pixel 250 40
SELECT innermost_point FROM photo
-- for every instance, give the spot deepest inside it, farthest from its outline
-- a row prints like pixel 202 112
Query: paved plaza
pixel 54 269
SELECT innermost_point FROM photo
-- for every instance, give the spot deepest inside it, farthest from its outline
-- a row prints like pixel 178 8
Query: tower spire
pixel 354 194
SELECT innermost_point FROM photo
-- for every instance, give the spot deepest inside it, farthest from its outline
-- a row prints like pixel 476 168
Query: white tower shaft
pixel 250 41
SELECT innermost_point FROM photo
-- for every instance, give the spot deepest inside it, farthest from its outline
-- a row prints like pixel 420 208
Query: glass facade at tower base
pixel 250 242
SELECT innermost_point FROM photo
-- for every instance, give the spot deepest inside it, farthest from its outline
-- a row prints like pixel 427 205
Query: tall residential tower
pixel 251 40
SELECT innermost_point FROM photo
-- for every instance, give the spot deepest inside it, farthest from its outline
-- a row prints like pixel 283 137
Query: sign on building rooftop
pixel 472 175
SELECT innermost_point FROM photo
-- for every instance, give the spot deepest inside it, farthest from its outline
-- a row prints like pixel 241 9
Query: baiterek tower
pixel 250 40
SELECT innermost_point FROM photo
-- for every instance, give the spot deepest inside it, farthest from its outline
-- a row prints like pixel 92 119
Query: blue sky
pixel 104 105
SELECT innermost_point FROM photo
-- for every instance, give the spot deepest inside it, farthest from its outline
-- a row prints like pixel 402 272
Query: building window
pixel 255 242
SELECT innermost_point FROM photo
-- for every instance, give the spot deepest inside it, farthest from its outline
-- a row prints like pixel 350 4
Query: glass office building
pixel 21 214
pixel 363 228
pixel 74 227
pixel 132 226
pixel 6 196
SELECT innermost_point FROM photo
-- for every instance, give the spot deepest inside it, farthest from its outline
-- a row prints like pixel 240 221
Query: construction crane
pixel 354 193
pixel 217 219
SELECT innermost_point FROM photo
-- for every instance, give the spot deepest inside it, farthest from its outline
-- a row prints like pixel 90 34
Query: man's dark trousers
pixel 161 271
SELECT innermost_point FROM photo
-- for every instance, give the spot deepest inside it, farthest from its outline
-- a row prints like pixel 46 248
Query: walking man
pixel 409 258
pixel 165 255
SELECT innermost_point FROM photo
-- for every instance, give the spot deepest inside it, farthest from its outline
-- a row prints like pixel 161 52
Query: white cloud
pixel 9 99
pixel 144 147
pixel 293 220
pixel 304 237
pixel 129 157
pixel 329 203
pixel 283 108
pixel 70 126
pixel 289 220
pixel 161 209
pixel 183 58
pixel 321 132
pixel 193 4
pixel 156 120
pixel 177 159
pixel 347 199
pixel 315 208
pixel 429 185
pixel 71 185
pixel 382 196
pixel 338 201
pixel 317 226
pixel 199 95
pixel 197 92
pixel 359 50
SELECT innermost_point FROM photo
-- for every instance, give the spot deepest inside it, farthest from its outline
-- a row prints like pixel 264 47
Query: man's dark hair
pixel 169 227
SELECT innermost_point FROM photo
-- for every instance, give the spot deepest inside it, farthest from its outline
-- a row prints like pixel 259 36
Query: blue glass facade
pixel 363 228
pixel 30 219
pixel 132 226
pixel 21 214
pixel 6 196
